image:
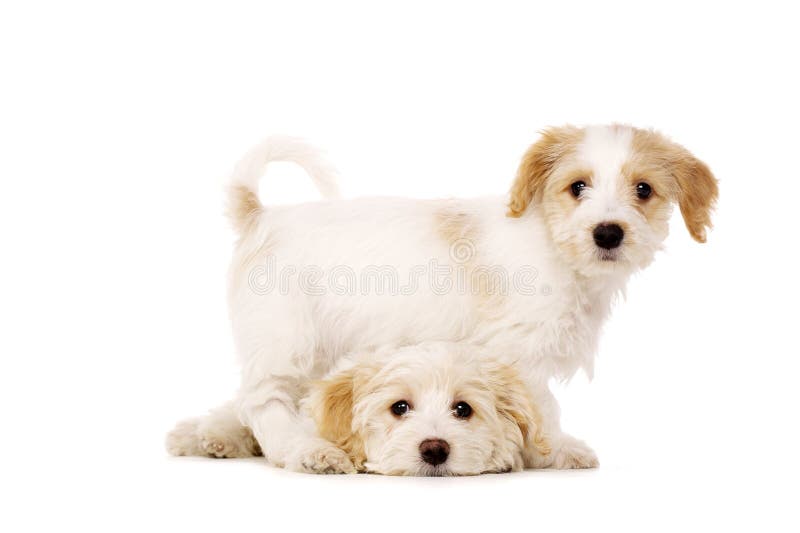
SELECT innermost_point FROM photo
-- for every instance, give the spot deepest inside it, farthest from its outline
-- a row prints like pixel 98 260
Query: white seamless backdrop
pixel 119 122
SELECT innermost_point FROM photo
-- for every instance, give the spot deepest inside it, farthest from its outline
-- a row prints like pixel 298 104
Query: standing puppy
pixel 530 279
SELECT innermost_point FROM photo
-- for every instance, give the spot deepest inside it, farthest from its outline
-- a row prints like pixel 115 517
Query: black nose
pixel 608 236
pixel 434 451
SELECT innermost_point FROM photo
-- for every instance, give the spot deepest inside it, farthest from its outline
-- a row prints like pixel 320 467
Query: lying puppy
pixel 530 277
pixel 436 409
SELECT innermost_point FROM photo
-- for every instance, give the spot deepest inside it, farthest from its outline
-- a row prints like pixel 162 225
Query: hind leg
pixel 218 434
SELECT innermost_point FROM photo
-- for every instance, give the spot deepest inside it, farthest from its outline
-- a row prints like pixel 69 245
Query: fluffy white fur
pixel 296 331
pixel 357 431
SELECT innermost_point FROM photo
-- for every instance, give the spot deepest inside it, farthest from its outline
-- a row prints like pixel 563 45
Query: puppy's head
pixel 434 410
pixel 606 193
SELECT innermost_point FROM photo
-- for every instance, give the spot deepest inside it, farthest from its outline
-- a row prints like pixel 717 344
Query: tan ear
pixel 697 193
pixel 513 401
pixel 696 188
pixel 331 403
pixel 537 164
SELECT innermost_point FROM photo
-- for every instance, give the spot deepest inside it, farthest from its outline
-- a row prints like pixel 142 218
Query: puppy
pixel 529 277
pixel 435 409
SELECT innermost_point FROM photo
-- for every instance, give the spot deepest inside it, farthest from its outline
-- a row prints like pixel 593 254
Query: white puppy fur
pixel 433 409
pixel 529 278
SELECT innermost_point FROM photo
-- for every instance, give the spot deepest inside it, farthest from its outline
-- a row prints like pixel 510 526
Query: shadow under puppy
pixel 437 409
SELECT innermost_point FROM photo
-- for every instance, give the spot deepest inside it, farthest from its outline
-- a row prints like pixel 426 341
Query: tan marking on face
pixel 557 191
pixel 552 164
pixel 557 201
pixel 565 180
pixel 545 177
pixel 658 207
pixel 537 164
pixel 679 174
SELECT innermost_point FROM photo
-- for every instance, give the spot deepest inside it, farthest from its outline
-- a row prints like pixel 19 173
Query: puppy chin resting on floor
pixel 437 409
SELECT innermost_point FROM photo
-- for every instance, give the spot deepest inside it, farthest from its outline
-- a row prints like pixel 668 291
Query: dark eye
pixel 577 187
pixel 643 190
pixel 399 408
pixel 462 410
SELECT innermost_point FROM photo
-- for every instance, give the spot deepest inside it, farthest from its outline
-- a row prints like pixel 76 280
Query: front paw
pixel 319 456
pixel 573 453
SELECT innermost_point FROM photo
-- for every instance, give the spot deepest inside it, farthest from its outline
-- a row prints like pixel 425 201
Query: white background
pixel 120 121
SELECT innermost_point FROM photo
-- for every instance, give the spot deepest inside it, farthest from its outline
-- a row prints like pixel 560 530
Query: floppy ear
pixel 695 186
pixel 697 192
pixel 537 164
pixel 331 402
pixel 514 402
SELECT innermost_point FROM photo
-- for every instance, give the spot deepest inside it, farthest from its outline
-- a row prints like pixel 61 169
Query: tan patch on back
pixel 453 224
pixel 460 231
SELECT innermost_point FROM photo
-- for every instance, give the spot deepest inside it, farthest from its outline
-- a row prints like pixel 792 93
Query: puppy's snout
pixel 608 236
pixel 434 451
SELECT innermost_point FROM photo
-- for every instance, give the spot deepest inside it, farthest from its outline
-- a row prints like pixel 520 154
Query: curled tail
pixel 243 203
